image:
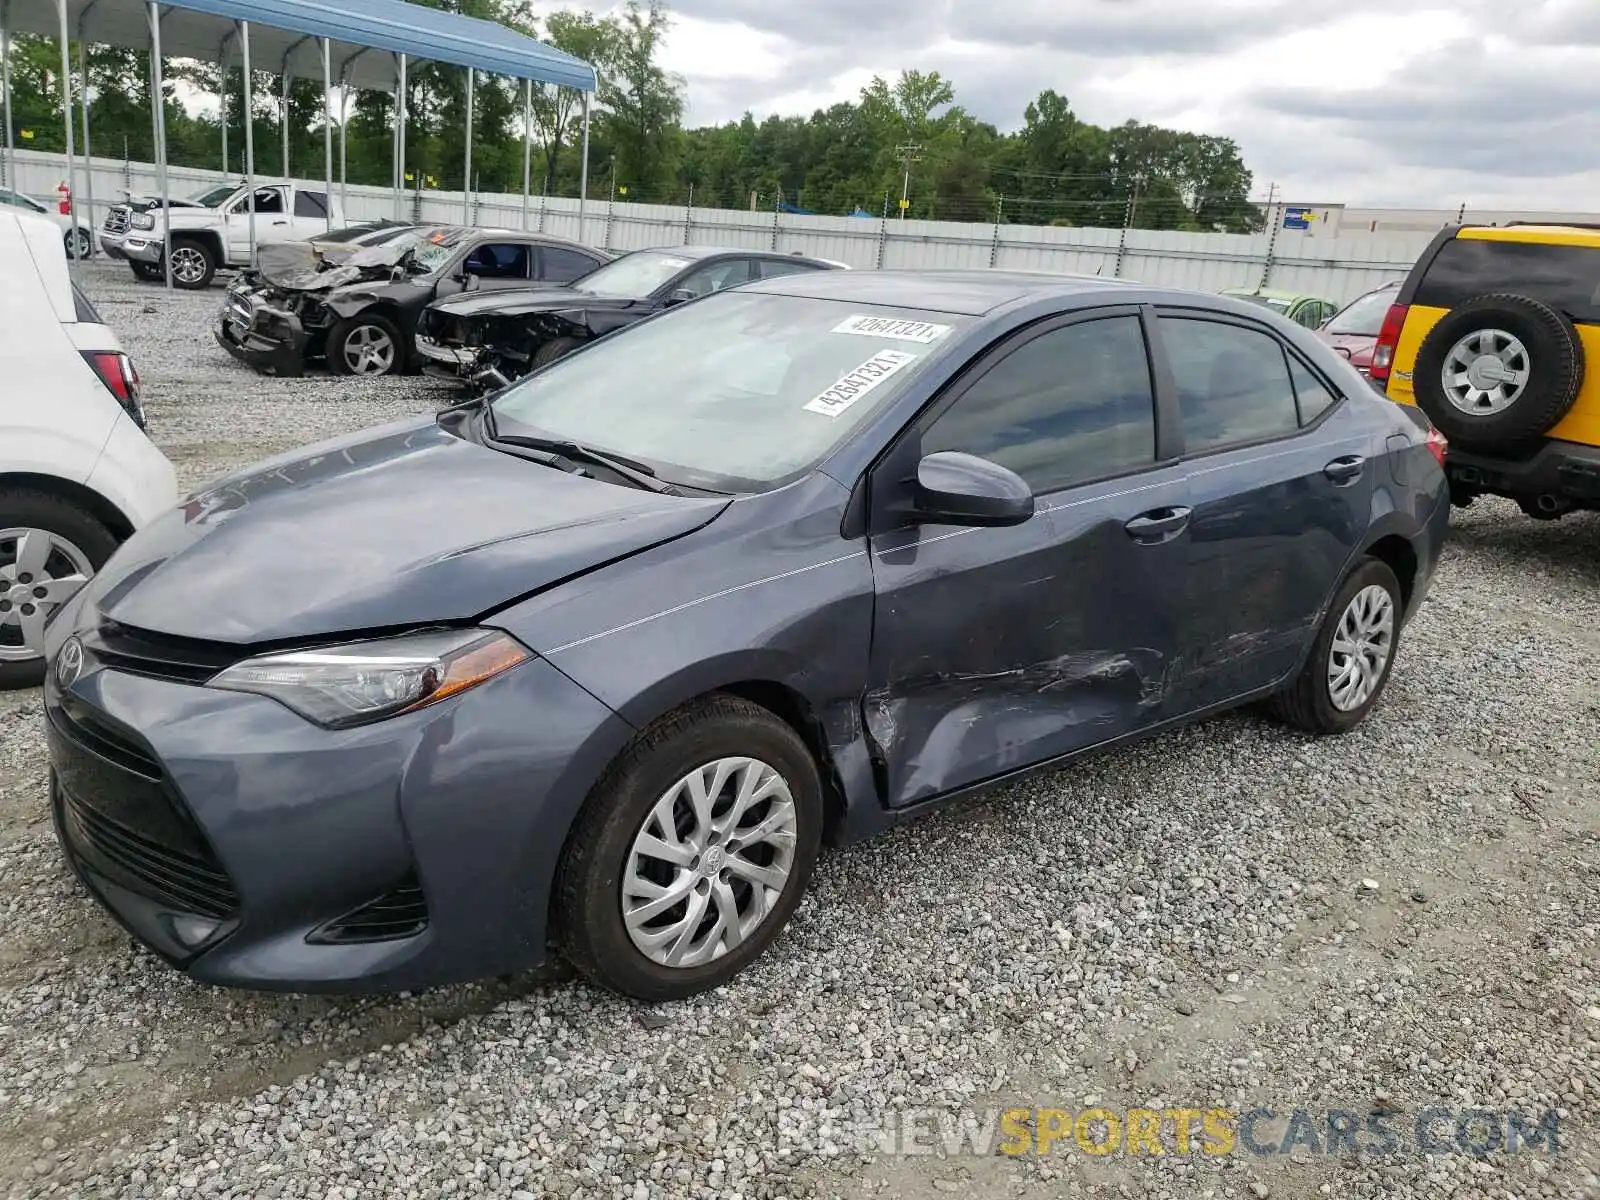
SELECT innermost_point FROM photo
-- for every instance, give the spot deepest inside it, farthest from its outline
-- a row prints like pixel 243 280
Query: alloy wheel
pixel 1362 644
pixel 710 862
pixel 39 572
pixel 188 264
pixel 1485 372
pixel 368 350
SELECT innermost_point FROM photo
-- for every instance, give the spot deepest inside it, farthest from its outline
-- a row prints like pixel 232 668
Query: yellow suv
pixel 1490 336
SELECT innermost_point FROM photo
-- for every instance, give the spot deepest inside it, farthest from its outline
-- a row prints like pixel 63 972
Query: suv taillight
pixel 1437 445
pixel 1388 338
pixel 117 372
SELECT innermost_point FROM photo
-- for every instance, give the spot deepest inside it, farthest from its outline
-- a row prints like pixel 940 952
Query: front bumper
pixel 111 244
pixel 249 848
pixel 141 248
pixel 268 338
pixel 1568 472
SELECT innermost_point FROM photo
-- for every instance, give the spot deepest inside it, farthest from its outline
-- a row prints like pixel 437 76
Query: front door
pixel 271 224
pixel 997 648
pixel 1282 494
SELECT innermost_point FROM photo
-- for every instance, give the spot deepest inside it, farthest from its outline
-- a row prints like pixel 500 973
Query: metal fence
pixel 1338 267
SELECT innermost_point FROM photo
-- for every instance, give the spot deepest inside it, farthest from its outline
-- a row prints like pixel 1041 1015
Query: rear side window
pixel 1567 278
pixel 771 268
pixel 1233 383
pixel 85 310
pixel 1312 394
pixel 563 266
pixel 310 204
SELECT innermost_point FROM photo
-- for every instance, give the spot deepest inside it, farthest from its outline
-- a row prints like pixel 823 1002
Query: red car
pixel 1353 330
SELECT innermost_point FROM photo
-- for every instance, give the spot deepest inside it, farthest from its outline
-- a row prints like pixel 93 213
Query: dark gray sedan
pixel 596 666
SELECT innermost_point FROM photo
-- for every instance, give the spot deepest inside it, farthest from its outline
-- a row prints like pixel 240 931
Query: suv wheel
pixel 48 550
pixel 1499 371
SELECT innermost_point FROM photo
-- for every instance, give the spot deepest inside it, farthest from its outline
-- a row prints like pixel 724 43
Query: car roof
pixel 35 241
pixel 699 252
pixel 962 292
pixel 1563 235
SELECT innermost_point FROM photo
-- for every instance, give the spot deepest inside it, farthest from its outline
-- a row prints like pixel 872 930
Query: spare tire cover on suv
pixel 1498 370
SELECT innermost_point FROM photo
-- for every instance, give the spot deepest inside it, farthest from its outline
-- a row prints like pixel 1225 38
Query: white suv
pixel 77 472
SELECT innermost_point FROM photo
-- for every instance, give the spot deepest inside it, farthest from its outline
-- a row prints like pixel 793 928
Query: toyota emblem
pixel 69 663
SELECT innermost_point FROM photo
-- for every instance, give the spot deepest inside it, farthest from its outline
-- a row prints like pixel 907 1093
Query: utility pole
pixel 907 153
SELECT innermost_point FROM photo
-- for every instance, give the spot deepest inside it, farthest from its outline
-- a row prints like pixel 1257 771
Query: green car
pixel 1310 311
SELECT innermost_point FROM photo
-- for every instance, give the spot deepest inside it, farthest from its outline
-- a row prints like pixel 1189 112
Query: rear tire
pixel 74 539
pixel 79 244
pixel 1316 701
pixel 603 867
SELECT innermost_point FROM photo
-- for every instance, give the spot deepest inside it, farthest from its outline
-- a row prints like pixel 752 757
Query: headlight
pixel 142 221
pixel 360 682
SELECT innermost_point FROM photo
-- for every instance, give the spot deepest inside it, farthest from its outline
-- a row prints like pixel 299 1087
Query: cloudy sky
pixel 1369 102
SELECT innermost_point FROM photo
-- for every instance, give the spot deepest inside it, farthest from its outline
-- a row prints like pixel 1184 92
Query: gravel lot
pixel 1230 915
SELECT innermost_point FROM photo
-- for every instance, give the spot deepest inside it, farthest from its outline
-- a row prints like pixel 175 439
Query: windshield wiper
pixel 635 472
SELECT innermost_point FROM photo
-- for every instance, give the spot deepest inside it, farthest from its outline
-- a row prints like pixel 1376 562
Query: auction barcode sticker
pixel 857 383
pixel 892 328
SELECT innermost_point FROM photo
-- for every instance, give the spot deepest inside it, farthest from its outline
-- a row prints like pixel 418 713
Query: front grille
pixel 105 741
pixel 163 873
pixel 116 220
pixel 157 656
pixel 401 912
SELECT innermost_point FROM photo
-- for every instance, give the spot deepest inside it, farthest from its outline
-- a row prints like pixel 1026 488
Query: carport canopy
pixel 351 44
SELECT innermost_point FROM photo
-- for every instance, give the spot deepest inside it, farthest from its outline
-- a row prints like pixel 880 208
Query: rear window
pixel 1567 278
pixel 85 310
pixel 1364 317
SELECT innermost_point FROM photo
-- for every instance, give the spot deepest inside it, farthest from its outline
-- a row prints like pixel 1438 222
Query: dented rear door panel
pixel 994 649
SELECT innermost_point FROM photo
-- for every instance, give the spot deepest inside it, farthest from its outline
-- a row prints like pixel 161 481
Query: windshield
pixel 212 196
pixel 633 276
pixel 738 392
pixel 1364 317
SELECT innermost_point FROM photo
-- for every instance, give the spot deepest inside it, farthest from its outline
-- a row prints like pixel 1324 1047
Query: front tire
pixel 1352 657
pixel 194 264
pixel 147 272
pixel 553 349
pixel 48 550
pixel 365 344
pixel 691 853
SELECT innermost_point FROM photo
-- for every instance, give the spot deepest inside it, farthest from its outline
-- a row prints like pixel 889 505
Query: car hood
pixel 402 525
pixel 554 298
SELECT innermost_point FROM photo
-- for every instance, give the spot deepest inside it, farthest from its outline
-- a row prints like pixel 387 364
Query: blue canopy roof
pixel 284 33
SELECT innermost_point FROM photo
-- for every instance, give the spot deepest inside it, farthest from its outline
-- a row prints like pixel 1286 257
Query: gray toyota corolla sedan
pixel 594 667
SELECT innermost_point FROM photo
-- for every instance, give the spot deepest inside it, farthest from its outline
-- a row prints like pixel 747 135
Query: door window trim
pixel 1180 312
pixel 864 517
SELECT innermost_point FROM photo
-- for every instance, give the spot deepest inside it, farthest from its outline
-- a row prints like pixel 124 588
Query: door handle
pixel 1158 525
pixel 1346 469
pixel 280 222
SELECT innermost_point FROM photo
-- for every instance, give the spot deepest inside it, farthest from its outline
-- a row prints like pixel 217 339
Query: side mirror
pixel 679 296
pixel 953 488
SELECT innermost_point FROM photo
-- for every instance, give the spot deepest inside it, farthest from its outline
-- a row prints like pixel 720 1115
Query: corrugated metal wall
pixel 1339 267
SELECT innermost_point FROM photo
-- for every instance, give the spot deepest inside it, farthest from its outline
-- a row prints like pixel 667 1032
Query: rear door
pixel 310 213
pixel 1281 485
pixel 997 648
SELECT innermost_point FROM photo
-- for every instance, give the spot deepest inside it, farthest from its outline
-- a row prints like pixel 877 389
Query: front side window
pixel 740 391
pixel 715 277
pixel 268 200
pixel 498 260
pixel 1233 383
pixel 1071 405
